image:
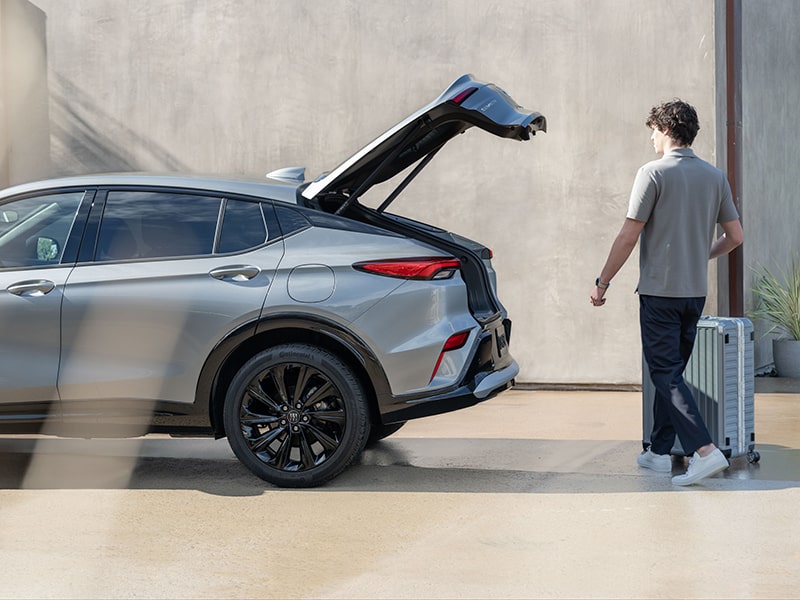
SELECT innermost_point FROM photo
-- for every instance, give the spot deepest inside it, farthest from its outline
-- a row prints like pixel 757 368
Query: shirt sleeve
pixel 643 196
pixel 727 209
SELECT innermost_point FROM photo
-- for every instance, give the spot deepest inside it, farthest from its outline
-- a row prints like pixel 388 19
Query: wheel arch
pixel 237 348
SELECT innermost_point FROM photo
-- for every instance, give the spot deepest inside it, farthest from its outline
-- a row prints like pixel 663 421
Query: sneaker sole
pixel 678 481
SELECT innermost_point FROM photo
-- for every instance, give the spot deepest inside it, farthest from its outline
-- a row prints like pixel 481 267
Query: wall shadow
pixel 85 138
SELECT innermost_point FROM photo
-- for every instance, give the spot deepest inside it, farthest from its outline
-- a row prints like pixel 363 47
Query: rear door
pixel 171 274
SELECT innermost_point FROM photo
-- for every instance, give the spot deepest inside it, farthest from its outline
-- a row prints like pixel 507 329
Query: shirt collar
pixel 687 152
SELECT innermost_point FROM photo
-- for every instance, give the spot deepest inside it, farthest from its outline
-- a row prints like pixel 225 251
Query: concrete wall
pixel 24 123
pixel 251 85
pixel 771 162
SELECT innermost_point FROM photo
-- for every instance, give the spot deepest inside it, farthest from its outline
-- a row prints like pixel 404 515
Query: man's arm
pixel 621 249
pixel 732 237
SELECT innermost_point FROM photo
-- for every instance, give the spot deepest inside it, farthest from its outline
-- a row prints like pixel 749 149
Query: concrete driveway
pixel 532 494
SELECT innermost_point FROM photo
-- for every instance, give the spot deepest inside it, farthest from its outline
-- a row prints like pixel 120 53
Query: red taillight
pixel 412 268
pixel 454 342
pixel 461 96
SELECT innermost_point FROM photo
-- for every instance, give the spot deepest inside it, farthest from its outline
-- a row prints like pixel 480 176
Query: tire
pixel 378 432
pixel 296 415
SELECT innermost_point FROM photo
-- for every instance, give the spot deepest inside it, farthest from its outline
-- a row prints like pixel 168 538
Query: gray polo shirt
pixel 681 198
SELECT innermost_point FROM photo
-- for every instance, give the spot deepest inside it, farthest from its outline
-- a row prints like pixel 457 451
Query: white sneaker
pixel 657 462
pixel 701 467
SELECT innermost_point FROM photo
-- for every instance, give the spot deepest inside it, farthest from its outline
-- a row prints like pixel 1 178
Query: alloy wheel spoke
pixel 256 392
pixel 254 420
pixel 283 456
pixel 323 438
pixel 278 375
pixel 306 453
pixel 303 378
pixel 259 443
pixel 335 417
pixel 319 393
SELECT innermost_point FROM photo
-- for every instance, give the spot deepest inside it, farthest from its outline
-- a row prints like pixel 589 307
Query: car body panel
pixel 356 295
pixel 37 248
pixel 142 330
pixel 410 343
pixel 30 326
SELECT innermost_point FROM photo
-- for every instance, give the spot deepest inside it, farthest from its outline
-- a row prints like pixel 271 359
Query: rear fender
pixel 236 349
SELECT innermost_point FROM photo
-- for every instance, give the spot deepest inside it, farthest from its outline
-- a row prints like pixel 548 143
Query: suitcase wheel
pixel 753 457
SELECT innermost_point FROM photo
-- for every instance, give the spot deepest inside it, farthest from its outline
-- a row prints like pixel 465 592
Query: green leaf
pixel 777 298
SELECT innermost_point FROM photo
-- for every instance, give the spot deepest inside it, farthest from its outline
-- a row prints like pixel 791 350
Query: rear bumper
pixel 482 387
pixel 499 380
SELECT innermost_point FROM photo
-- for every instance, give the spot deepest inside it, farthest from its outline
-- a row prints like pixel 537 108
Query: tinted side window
pixel 156 225
pixel 243 226
pixel 291 220
pixel 34 231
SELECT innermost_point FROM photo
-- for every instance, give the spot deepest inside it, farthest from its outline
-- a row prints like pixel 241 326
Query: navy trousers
pixel 669 327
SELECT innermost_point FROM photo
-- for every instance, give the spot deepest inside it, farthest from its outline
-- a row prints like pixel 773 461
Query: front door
pixel 34 232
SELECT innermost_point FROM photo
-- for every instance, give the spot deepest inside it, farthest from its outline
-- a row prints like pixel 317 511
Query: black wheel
pixel 379 431
pixel 296 415
pixel 753 457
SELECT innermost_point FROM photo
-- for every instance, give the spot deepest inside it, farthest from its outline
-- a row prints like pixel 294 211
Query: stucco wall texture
pixel 248 86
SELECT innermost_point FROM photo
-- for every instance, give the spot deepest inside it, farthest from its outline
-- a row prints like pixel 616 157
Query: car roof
pixel 240 185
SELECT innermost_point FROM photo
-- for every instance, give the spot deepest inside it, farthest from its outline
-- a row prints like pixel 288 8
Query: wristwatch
pixel 601 285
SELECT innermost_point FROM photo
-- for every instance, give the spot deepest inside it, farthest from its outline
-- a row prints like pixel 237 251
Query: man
pixel 675 204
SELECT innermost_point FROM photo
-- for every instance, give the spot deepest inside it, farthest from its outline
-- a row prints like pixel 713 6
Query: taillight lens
pixel 426 268
pixel 454 342
pixel 461 96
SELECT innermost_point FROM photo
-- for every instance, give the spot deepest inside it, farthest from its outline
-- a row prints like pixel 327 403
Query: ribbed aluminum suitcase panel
pixel 720 374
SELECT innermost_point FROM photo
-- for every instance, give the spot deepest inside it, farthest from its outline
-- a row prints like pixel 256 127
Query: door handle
pixel 235 272
pixel 34 287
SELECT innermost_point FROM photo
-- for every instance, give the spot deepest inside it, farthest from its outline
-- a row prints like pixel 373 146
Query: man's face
pixel 659 140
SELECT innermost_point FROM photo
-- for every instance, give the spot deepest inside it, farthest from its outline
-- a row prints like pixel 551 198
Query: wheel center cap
pixel 294 417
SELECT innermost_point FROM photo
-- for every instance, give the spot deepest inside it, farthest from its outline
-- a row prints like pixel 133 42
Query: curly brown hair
pixel 676 118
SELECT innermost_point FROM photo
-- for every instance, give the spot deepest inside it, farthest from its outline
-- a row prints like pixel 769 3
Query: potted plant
pixel 778 302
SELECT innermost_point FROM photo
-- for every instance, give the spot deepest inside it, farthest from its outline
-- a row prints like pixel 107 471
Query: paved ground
pixel 532 494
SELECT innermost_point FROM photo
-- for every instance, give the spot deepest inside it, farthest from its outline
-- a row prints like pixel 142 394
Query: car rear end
pixel 447 332
pixel 445 322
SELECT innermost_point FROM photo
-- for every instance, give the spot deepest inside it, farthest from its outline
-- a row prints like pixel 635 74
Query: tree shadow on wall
pixel 85 138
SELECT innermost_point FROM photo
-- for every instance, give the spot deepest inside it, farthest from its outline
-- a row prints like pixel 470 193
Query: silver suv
pixel 285 315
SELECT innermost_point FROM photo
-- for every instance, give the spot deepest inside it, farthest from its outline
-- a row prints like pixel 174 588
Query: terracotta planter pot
pixel 786 354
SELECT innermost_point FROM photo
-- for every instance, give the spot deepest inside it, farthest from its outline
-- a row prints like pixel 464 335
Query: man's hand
pixel 621 249
pixel 598 296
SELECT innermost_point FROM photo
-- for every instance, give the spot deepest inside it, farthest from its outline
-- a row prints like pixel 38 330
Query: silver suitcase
pixel 720 375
